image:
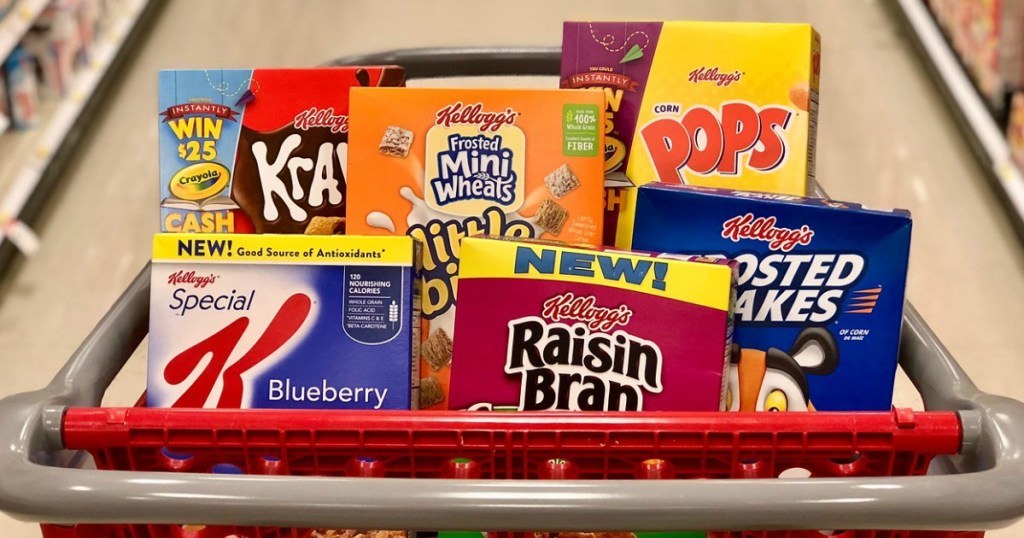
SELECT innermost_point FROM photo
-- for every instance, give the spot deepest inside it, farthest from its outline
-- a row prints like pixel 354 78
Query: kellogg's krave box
pixel 544 326
pixel 283 321
pixel 730 105
pixel 820 296
pixel 442 164
pixel 257 150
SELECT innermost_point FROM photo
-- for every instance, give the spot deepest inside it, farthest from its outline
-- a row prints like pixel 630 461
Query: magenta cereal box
pixel 585 329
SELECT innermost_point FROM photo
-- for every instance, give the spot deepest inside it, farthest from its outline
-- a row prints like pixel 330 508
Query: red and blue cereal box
pixel 258 150
pixel 820 295
pixel 280 321
pixel 545 326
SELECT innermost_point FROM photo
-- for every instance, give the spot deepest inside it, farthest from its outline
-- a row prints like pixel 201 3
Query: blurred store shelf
pixel 30 160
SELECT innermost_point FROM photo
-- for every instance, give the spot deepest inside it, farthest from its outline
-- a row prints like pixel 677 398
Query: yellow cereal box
pixel 441 164
pixel 730 105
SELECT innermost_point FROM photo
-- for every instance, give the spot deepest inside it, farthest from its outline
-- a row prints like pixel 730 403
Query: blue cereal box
pixel 820 295
pixel 283 322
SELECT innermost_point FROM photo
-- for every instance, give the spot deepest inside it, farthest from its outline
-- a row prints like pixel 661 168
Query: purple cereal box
pixel 583 329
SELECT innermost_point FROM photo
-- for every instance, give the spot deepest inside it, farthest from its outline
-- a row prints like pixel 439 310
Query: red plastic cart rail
pixel 600 446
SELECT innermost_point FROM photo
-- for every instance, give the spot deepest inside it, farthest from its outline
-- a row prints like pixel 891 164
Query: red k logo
pixel 221 346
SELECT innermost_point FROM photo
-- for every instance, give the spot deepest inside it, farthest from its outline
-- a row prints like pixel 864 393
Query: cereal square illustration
pixel 396 141
pixel 552 216
pixel 561 181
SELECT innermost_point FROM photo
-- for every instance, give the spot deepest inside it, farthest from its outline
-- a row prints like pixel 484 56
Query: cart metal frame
pixel 981 488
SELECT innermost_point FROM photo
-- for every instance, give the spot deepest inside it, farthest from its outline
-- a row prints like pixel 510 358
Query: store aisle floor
pixel 885 139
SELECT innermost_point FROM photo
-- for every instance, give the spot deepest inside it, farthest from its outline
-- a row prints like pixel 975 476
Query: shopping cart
pixel 279 473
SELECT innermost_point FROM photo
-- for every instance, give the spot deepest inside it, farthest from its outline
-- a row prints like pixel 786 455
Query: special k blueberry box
pixel 717 104
pixel 820 296
pixel 257 150
pixel 545 326
pixel 442 164
pixel 283 321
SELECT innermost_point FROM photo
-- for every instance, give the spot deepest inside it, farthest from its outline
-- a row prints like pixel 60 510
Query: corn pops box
pixel 820 296
pixel 441 164
pixel 580 329
pixel 257 150
pixel 283 322
pixel 730 105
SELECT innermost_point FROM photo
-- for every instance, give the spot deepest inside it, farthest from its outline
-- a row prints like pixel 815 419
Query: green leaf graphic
pixel 634 53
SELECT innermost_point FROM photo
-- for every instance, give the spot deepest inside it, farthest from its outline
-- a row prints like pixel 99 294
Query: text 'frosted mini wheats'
pixel 820 297
pixel 582 329
pixel 283 321
pixel 729 105
pixel 442 164
pixel 257 150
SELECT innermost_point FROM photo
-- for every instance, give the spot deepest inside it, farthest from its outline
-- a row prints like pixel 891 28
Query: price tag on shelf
pixel 21 236
pixel 43 152
pixel 1007 171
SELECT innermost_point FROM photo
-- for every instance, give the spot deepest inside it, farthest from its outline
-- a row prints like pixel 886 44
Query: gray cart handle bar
pixel 982 488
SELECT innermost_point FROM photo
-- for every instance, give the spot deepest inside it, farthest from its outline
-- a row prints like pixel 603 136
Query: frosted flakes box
pixel 820 296
pixel 257 150
pixel 441 164
pixel 583 329
pixel 283 322
pixel 717 104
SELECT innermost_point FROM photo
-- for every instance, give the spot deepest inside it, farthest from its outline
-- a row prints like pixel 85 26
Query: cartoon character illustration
pixel 775 380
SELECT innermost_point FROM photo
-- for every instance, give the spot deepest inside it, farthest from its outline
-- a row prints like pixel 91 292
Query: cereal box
pixel 821 286
pixel 22 89
pixel 730 105
pixel 581 329
pixel 283 321
pixel 1015 129
pixel 441 164
pixel 257 150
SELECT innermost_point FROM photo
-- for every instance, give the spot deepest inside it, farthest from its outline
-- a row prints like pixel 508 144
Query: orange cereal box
pixel 713 104
pixel 441 164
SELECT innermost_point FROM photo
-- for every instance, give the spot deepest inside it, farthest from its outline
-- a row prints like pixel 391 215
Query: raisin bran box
pixel 585 329
pixel 820 296
pixel 257 150
pixel 286 321
pixel 441 164
pixel 731 105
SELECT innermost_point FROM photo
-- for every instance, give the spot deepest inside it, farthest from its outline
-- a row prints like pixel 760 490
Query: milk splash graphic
pixel 441 232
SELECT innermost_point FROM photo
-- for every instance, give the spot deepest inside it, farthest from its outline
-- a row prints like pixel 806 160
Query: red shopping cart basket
pixel 163 473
